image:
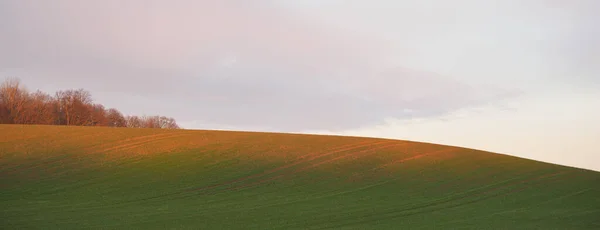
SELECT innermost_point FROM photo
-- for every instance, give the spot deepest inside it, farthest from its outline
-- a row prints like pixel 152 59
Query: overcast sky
pixel 520 77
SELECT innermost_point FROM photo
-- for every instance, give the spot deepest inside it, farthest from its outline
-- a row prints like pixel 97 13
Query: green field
pixel 118 178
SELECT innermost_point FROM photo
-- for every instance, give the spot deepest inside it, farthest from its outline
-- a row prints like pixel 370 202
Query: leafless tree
pixel 74 107
pixel 115 118
pixel 159 122
pixel 168 123
pixel 150 122
pixel 4 113
pixel 153 122
pixel 39 109
pixel 68 107
pixel 134 122
pixel 98 115
pixel 14 98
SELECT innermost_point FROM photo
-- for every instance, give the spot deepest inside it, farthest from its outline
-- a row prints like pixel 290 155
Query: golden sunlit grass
pixel 89 177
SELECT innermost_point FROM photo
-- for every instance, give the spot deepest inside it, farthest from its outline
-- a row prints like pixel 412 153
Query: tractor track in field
pixel 301 159
pixel 418 156
pixel 415 210
pixel 297 161
pixel 438 202
pixel 121 146
pixel 452 184
pixel 100 147
pixel 130 143
pixel 32 166
pixel 518 183
pixel 302 169
pixel 464 195
pixel 329 194
pixel 359 153
pixel 523 208
pixel 422 209
pixel 139 141
pixel 261 182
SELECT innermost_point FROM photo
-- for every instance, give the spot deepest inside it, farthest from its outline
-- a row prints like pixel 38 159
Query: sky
pixel 518 77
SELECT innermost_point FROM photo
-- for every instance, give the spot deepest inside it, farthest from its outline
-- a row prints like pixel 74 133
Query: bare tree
pixel 4 113
pixel 68 107
pixel 134 122
pixel 14 98
pixel 39 109
pixel 74 107
pixel 115 118
pixel 158 122
pixel 152 122
pixel 98 115
pixel 168 123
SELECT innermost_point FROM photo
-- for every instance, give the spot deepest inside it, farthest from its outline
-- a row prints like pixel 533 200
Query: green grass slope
pixel 116 178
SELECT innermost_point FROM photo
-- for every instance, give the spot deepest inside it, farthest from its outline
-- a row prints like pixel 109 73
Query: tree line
pixel 73 107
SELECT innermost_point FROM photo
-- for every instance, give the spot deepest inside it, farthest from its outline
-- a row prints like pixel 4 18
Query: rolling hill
pixel 119 178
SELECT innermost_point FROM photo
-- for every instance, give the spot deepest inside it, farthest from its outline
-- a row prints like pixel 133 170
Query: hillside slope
pixel 118 178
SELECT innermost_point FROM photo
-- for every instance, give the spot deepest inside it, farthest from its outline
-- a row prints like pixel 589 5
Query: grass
pixel 116 178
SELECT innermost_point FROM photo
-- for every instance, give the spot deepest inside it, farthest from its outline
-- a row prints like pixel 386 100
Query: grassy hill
pixel 118 178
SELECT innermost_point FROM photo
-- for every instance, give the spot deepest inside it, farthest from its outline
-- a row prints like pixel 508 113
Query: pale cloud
pixel 221 62
pixel 508 42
